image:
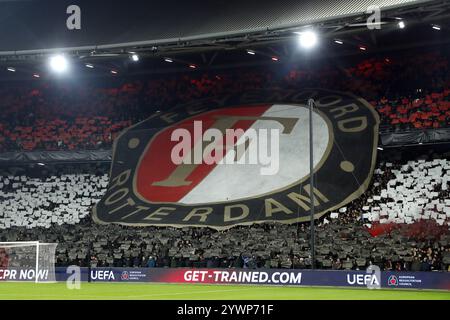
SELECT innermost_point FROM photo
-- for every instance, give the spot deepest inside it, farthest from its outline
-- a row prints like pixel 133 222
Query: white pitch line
pixel 134 296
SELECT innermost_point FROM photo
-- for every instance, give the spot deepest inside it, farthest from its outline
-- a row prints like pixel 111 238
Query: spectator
pixel 151 263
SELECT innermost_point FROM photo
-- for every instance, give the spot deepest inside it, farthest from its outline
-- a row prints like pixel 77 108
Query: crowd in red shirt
pixel 409 90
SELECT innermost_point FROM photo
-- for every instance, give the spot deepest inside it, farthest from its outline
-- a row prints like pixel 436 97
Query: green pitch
pixel 135 291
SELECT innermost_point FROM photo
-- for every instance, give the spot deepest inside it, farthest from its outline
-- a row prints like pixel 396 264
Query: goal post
pixel 27 261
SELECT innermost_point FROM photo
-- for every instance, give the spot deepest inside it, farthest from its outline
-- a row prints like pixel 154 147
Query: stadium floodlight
pixel 90 66
pixel 168 60
pixel 59 63
pixel 401 24
pixel 11 69
pixel 436 27
pixel 338 41
pixel 135 57
pixel 307 39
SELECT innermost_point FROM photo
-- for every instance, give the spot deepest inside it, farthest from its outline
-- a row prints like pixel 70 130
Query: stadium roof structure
pixel 38 27
pixel 204 35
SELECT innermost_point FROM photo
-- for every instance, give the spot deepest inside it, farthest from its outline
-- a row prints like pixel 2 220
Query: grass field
pixel 139 291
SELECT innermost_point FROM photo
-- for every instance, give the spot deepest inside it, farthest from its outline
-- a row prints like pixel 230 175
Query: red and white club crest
pixel 183 167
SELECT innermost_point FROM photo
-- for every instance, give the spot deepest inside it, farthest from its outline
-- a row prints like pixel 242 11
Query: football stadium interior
pixel 87 182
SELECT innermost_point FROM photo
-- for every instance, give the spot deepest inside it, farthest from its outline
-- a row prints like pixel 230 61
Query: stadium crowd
pixel 52 204
pixel 409 90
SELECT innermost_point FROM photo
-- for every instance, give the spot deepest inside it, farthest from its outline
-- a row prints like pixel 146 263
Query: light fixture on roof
pixel 11 69
pixel 362 48
pixel 251 52
pixel 275 59
pixel 192 66
pixel 436 27
pixel 338 41
pixel 168 60
pixel 307 39
pixel 36 75
pixel 59 63
pixel 90 66
pixel 114 72
pixel 401 24
pixel 135 57
pixel 41 164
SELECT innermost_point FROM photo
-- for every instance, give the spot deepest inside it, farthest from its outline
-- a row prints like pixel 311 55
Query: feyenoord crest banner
pixel 241 159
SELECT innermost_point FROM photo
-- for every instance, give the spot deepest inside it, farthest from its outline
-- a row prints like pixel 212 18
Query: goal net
pixel 27 261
